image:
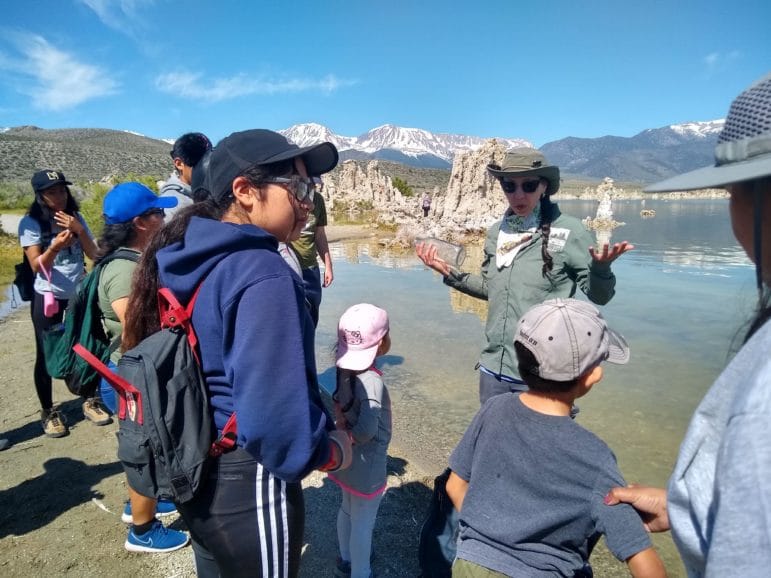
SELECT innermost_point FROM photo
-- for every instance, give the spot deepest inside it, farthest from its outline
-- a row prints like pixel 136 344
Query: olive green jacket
pixel 514 289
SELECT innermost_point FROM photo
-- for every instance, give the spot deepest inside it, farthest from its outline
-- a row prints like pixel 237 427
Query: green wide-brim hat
pixel 524 162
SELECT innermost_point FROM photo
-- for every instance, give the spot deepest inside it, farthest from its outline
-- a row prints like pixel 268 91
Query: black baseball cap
pixel 46 178
pixel 242 150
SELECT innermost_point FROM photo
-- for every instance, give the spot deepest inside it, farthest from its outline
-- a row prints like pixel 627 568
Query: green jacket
pixel 514 289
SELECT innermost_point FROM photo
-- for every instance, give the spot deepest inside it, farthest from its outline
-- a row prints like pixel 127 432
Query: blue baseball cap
pixel 128 200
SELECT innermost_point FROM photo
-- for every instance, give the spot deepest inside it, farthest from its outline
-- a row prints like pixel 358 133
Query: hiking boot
pixel 159 538
pixel 342 568
pixel 4 444
pixel 163 508
pixel 53 423
pixel 94 412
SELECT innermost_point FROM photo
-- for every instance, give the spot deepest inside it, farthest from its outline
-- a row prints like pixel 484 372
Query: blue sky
pixel 536 70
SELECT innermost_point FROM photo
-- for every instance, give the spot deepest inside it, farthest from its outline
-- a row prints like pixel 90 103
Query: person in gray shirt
pixel 719 498
pixel 186 152
pixel 528 481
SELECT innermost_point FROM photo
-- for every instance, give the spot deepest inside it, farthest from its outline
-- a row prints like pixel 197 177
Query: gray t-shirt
pixel 68 268
pixel 534 505
pixel 179 190
pixel 369 418
pixel 719 497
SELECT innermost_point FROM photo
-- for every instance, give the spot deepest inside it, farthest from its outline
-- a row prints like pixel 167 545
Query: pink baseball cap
pixel 359 333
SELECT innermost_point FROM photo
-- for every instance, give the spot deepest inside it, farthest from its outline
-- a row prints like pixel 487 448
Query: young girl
pixel 363 408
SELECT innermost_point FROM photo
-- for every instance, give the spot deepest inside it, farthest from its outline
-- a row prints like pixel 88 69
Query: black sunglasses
pixel 529 187
pixel 300 187
pixel 151 212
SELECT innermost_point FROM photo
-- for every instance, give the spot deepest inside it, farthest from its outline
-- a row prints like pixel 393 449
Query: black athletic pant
pixel 41 323
pixel 245 522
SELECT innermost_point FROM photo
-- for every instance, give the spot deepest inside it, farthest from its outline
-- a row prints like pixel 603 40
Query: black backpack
pixel 439 533
pixel 166 431
pixel 82 324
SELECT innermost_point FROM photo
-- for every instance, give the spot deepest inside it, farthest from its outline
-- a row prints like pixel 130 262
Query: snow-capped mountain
pixel 408 145
pixel 651 155
pixel 311 133
pixel 699 129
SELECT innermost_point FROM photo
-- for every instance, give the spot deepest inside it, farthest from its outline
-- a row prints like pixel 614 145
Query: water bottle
pixel 450 253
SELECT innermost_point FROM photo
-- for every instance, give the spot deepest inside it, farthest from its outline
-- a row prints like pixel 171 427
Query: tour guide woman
pixel 534 253
pixel 256 348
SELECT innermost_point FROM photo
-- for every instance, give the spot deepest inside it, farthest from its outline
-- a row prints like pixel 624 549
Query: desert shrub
pixel 403 187
pixel 15 195
pixel 91 205
pixel 10 254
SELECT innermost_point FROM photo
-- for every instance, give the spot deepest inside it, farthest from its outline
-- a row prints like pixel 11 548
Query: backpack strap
pixel 123 387
pixel 227 439
pixel 173 314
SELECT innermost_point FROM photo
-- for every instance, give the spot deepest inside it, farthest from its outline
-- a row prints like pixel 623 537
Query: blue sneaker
pixel 162 509
pixel 159 538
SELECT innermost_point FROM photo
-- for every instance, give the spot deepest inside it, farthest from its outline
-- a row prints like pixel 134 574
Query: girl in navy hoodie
pixel 256 348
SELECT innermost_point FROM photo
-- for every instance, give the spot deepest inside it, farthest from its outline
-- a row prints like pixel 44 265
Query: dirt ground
pixel 61 499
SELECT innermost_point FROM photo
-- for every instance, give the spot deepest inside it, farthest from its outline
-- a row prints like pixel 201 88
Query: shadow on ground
pixel 36 502
pixel 395 541
pixel 71 410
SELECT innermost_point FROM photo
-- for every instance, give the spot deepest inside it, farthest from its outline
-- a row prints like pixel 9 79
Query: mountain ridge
pixel 91 153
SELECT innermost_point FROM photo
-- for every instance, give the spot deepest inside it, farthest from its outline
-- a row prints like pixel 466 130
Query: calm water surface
pixel 682 298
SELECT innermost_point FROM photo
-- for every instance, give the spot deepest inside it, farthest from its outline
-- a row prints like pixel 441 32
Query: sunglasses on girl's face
pixel 151 212
pixel 510 187
pixel 300 187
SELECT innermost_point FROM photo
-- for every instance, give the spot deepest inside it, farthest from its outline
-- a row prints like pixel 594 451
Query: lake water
pixel 682 297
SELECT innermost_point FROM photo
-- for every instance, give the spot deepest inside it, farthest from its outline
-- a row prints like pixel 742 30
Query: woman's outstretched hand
pixel 609 254
pixel 650 503
pixel 427 254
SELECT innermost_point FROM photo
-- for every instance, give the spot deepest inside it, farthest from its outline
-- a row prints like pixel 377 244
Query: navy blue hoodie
pixel 256 339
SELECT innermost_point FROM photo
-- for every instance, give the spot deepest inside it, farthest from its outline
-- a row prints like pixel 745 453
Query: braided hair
pixel 545 227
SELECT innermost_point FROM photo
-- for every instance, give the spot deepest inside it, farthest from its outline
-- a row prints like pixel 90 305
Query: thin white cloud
pixel 54 79
pixel 716 62
pixel 121 15
pixel 193 86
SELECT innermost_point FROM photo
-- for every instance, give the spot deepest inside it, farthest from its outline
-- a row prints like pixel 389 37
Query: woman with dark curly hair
pixel 256 348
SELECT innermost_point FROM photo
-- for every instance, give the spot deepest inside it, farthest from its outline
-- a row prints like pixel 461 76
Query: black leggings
pixel 41 323
pixel 245 522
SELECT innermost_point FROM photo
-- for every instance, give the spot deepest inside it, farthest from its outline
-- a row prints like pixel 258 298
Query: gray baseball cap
pixel 568 337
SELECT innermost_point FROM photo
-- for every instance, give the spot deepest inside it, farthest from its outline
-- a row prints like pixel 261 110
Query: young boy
pixel 528 481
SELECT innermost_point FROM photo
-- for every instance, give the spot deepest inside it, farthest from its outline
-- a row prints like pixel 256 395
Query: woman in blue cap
pixel 718 503
pixel 133 214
